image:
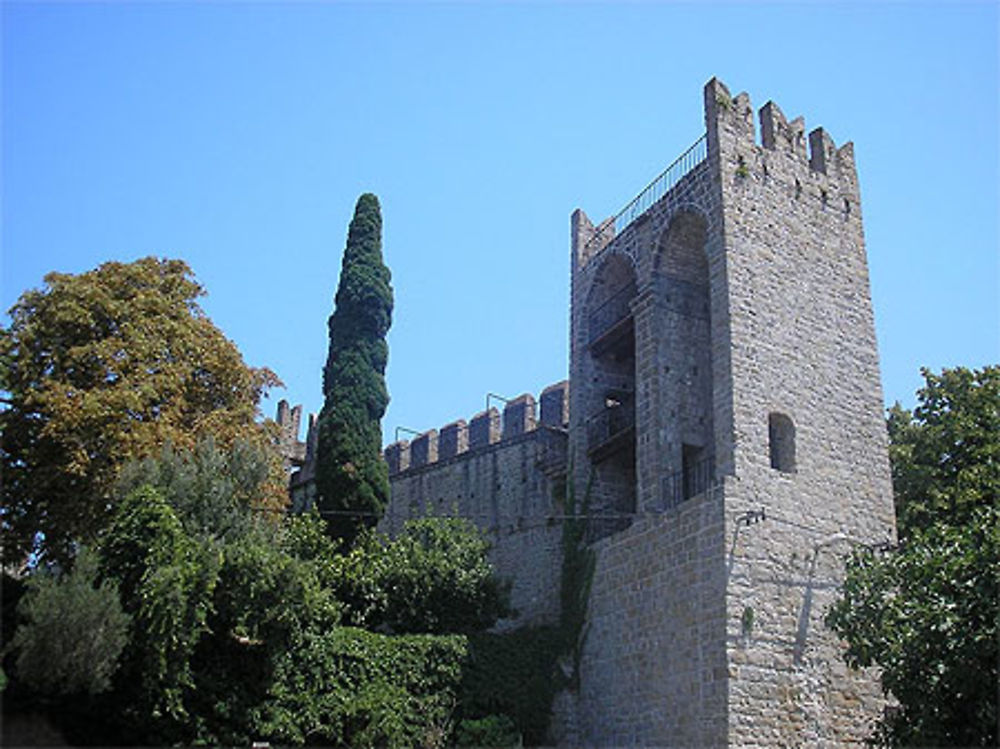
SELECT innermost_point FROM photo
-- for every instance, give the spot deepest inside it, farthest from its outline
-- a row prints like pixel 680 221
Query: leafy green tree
pixel 268 607
pixel 215 591
pixel 946 454
pixel 927 614
pixel 515 674
pixel 493 730
pixel 167 581
pixel 236 630
pixel 209 488
pixel 73 630
pixel 352 480
pixel 238 634
pixel 103 367
pixel 435 577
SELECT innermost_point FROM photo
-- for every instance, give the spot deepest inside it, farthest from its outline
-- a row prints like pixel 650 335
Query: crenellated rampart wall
pixel 505 471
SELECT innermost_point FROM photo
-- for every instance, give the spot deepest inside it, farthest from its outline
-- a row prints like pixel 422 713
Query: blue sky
pixel 238 136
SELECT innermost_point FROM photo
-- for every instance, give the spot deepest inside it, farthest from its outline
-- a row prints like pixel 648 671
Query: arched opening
pixel 781 442
pixel 609 313
pixel 683 292
pixel 610 403
pixel 682 265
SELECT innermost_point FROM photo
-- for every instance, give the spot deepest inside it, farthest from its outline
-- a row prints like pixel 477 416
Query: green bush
pixel 492 731
pixel 357 688
pixel 514 674
pixel 73 631
pixel 435 578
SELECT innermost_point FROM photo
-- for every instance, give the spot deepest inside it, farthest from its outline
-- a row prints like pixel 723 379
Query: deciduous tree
pixel 946 454
pixel 239 635
pixel 103 367
pixel 352 480
pixel 927 614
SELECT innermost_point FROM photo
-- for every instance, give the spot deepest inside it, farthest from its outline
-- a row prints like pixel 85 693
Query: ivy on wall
pixel 518 674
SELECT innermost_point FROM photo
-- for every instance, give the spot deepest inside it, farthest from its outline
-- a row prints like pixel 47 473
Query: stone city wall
pixel 506 473
pixel 653 664
pixel 728 436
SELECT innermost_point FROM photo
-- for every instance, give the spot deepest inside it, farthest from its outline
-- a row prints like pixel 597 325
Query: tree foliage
pixel 167 580
pixel 73 630
pixel 927 614
pixel 515 674
pixel 433 578
pixel 351 687
pixel 352 480
pixel 236 630
pixel 103 367
pixel 493 730
pixel 946 454
pixel 215 593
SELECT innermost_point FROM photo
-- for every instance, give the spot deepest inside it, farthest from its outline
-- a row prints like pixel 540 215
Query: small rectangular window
pixel 781 442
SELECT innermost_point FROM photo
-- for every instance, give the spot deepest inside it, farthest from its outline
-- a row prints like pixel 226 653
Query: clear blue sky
pixel 238 137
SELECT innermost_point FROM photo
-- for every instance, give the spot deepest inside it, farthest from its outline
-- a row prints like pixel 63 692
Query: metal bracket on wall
pixel 497 397
pixel 751 517
pixel 408 431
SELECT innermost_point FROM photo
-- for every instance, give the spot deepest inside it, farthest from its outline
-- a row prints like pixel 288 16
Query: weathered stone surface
pixel 751 301
pixel 511 487
pixel 724 423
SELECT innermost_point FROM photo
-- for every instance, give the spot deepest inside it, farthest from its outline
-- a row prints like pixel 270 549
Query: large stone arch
pixel 682 283
pixel 611 292
pixel 609 393
pixel 681 251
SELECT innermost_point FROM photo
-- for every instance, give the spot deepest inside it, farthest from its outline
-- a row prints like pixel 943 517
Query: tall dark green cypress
pixel 352 480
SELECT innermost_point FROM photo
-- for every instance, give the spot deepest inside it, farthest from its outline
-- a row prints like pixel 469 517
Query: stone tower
pixel 726 417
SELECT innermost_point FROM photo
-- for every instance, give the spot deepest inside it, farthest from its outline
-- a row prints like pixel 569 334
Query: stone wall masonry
pixel 518 418
pixel 658 441
pixel 653 666
pixel 511 484
pixel 789 330
pixel 501 489
pixel 801 343
pixel 802 338
pixel 302 482
pixel 397 457
pixel 788 682
pixel 453 439
pixel 292 450
pixel 484 429
pixel 554 405
pixel 424 449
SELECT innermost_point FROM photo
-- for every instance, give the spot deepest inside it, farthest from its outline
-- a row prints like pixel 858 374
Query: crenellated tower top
pixel 731 136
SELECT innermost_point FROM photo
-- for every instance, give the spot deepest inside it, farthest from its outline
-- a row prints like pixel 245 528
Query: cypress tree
pixel 352 480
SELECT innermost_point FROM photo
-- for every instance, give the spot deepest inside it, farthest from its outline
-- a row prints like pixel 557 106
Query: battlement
pixel 729 119
pixel 520 416
pixel 289 420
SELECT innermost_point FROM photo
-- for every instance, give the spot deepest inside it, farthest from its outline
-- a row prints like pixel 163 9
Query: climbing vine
pixel 518 674
pixel 577 576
